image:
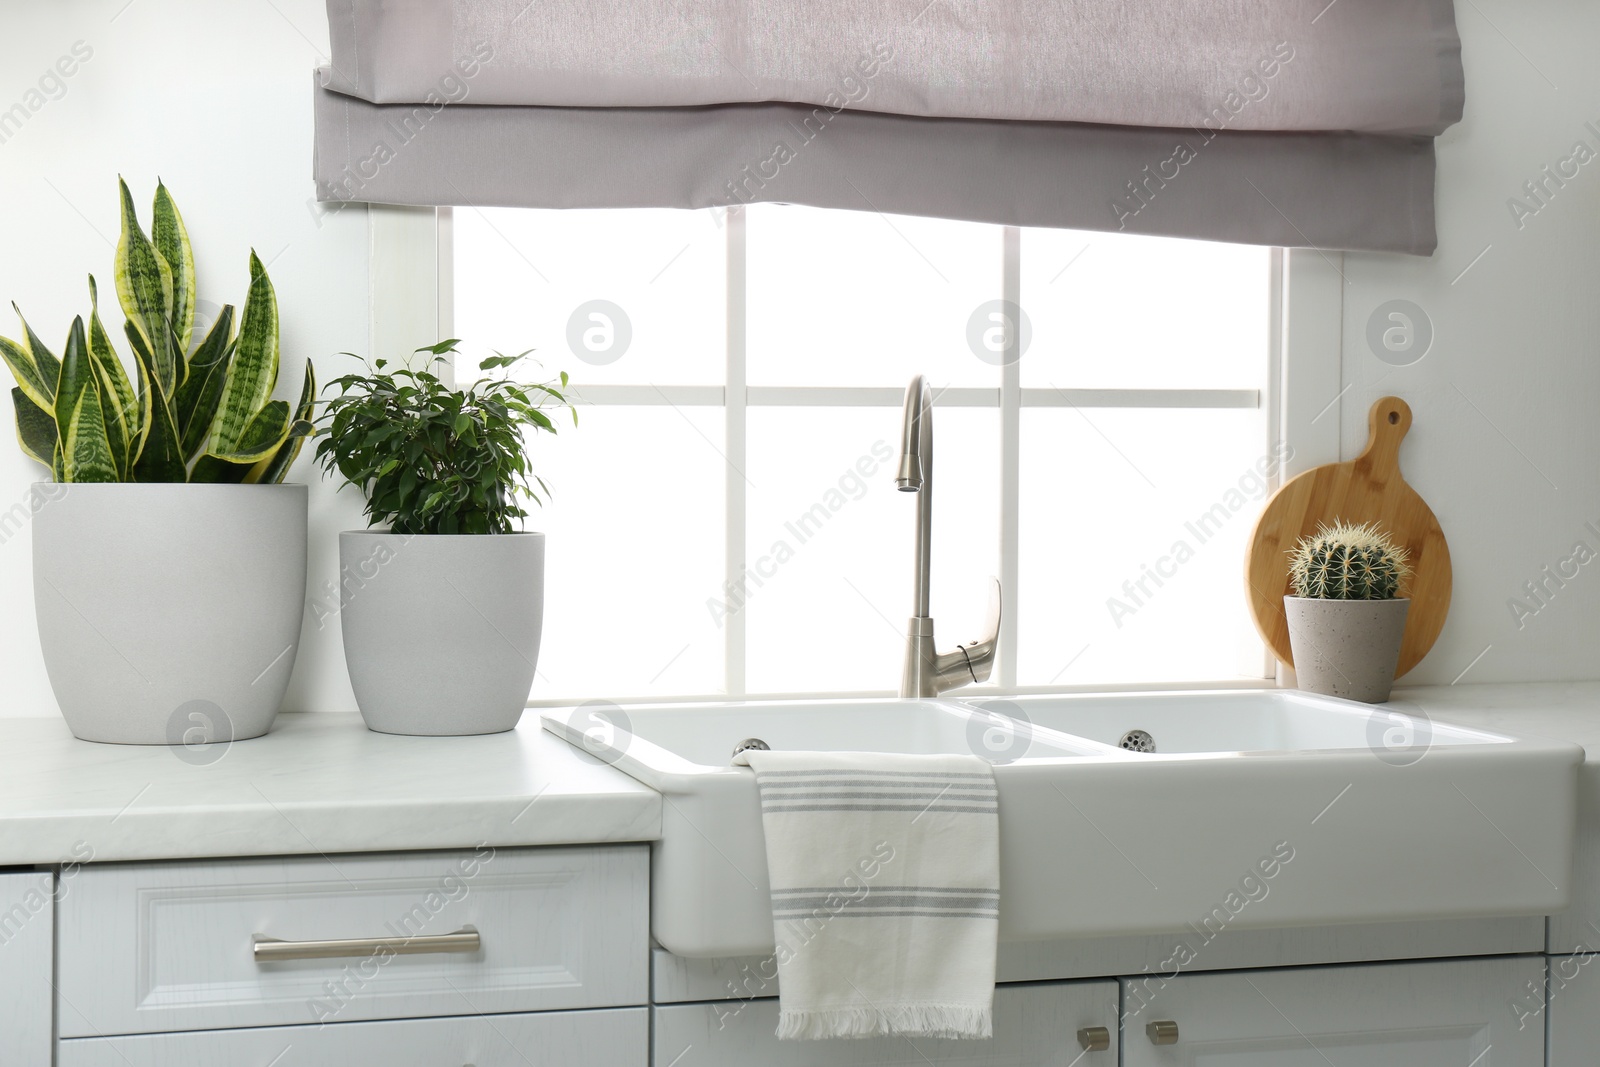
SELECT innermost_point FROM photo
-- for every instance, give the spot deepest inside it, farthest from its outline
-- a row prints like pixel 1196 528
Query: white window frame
pixel 412 297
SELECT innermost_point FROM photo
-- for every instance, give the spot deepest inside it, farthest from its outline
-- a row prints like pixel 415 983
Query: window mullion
pixel 735 503
pixel 1010 458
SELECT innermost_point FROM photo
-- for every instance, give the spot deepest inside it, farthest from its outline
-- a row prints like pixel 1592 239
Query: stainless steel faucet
pixel 929 672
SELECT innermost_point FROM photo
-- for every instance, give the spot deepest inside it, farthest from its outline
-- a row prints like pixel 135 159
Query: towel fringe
pixel 914 1020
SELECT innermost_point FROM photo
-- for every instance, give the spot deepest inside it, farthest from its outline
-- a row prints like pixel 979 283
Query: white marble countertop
pixel 1556 711
pixel 317 783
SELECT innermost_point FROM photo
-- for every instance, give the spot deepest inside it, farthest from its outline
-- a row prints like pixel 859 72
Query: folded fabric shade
pixel 1336 191
pixel 1376 66
pixel 1286 122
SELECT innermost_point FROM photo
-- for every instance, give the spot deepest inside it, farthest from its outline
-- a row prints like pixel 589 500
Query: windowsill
pixel 968 693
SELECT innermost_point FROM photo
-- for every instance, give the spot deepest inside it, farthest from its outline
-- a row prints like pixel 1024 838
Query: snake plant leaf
pixel 77 374
pixel 195 406
pixel 85 447
pixel 123 409
pixel 269 429
pixel 40 392
pixel 36 427
pixel 254 371
pixel 141 360
pixel 158 458
pixel 271 470
pixel 216 471
pixel 113 418
pixel 144 288
pixel 171 240
pixel 49 367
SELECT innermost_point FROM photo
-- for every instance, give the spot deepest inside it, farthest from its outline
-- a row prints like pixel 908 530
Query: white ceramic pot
pixel 441 631
pixel 1346 648
pixel 169 613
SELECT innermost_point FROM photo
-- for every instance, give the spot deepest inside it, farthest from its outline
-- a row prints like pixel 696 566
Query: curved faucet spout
pixel 918 402
pixel 916 476
pixel 927 671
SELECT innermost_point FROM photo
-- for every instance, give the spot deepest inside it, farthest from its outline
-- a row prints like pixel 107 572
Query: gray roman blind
pixel 1259 121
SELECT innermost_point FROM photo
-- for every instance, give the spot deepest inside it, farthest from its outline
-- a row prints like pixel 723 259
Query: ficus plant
pixel 201 412
pixel 433 459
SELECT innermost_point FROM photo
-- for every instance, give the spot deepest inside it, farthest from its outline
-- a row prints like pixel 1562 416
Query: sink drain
pixel 751 743
pixel 1137 741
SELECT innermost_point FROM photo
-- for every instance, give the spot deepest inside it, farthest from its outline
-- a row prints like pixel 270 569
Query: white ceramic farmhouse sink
pixel 1257 809
pixel 1258 720
pixel 709 891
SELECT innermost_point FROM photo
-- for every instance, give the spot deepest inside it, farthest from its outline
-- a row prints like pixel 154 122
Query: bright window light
pixel 725 520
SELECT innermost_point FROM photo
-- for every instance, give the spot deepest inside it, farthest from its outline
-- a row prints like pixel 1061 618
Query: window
pixel 725 519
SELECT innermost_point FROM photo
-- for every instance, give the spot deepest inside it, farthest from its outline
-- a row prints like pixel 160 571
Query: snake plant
pixel 201 412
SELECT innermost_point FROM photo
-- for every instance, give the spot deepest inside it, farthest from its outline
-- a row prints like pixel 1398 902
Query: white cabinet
pixel 1447 1014
pixel 27 927
pixel 613 1038
pixel 1034 1026
pixel 1571 1002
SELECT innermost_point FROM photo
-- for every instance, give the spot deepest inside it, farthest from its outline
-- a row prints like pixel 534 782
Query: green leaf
pixel 36 427
pixel 255 366
pixel 86 450
pixel 77 374
pixel 195 407
pixel 43 358
pixel 439 349
pixel 144 288
pixel 271 470
pixel 40 392
pixel 158 458
pixel 114 418
pixel 171 240
pixel 40 382
pixel 124 412
pixel 268 430
pixel 219 471
pixel 85 447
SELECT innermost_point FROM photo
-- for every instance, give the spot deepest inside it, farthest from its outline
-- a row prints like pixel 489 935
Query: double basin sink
pixel 1128 814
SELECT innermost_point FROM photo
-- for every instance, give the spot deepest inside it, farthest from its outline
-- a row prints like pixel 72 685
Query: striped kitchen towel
pixel 885 872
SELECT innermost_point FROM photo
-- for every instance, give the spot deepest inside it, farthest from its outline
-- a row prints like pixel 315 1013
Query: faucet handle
pixel 980 653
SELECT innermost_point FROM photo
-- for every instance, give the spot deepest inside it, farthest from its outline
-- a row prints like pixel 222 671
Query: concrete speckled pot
pixel 169 613
pixel 441 631
pixel 1346 648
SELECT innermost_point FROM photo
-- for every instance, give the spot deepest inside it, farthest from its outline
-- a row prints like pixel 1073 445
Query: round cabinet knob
pixel 1162 1032
pixel 1094 1038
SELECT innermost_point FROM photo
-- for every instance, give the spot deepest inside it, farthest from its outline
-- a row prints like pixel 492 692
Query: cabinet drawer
pixel 1444 1014
pixel 615 1038
pixel 150 948
pixel 1034 1026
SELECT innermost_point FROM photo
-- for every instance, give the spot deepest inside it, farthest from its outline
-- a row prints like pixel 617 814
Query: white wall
pixel 1506 443
pixel 215 97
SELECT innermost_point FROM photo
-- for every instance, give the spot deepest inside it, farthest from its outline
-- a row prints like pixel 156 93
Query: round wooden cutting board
pixel 1367 489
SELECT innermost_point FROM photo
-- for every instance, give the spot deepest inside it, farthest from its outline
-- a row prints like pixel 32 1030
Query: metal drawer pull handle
pixel 270 949
pixel 1162 1032
pixel 1094 1038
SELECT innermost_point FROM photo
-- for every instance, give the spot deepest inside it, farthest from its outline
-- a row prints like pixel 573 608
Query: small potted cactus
pixel 1347 617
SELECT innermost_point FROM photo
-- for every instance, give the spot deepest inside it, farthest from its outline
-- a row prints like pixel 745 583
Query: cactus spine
pixel 1348 562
